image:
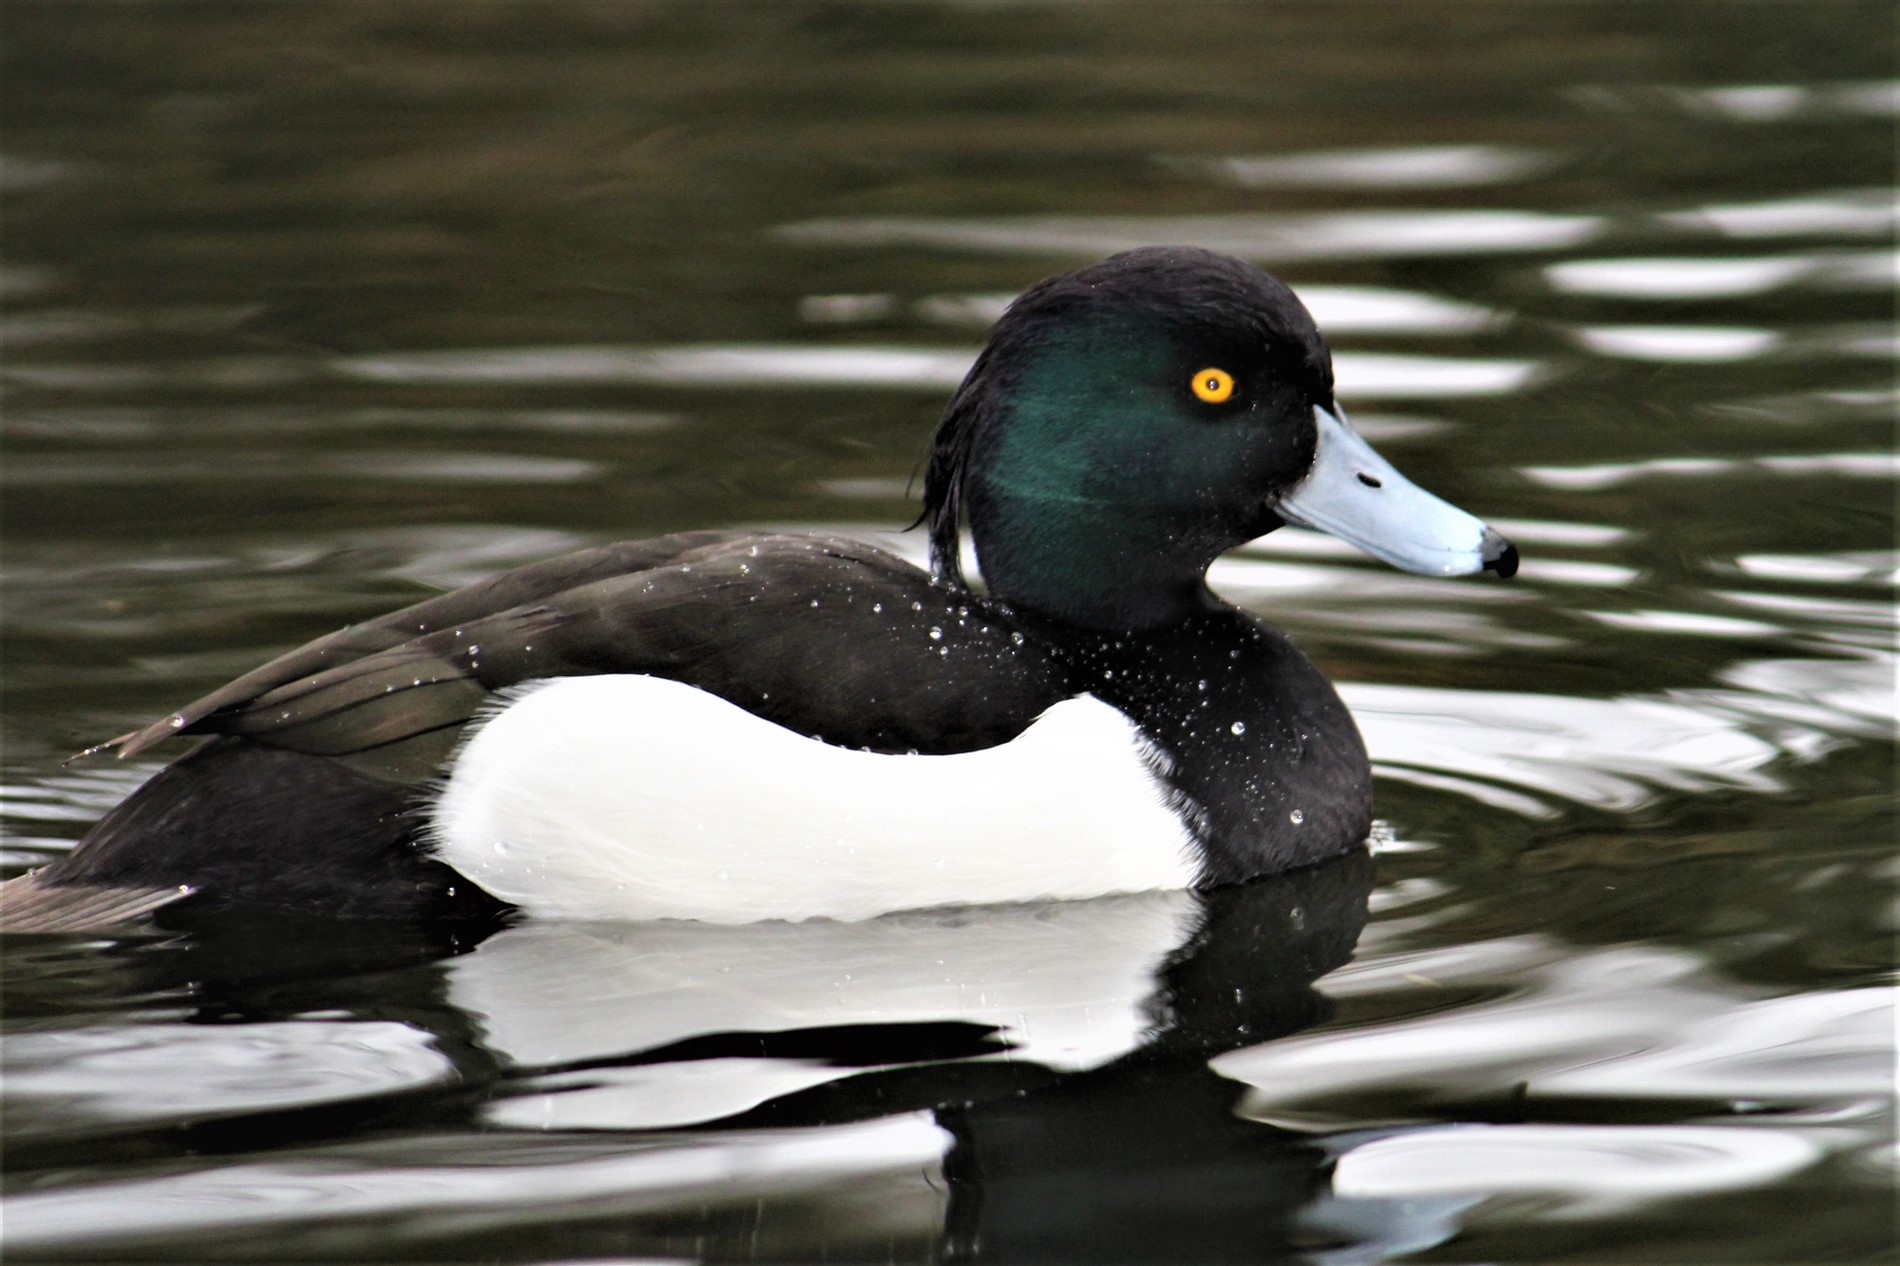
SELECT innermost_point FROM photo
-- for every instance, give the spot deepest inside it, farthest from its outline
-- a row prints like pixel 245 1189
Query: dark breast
pixel 1262 756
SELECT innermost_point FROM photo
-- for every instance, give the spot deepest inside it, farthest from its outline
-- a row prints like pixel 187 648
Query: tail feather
pixel 30 905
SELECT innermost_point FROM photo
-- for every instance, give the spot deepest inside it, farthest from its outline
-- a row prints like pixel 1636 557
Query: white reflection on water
pixel 1378 310
pixel 1845 569
pixel 1757 103
pixel 1866 624
pixel 1380 375
pixel 1861 465
pixel 505 468
pixel 1762 103
pixel 846 309
pixel 489 1181
pixel 79 793
pixel 1610 753
pixel 1601 1169
pixel 1801 1048
pixel 1808 701
pixel 1862 567
pixel 717 365
pixel 1624 1023
pixel 1517 751
pixel 1335 309
pixel 1616 474
pixel 1414 167
pixel 1678 344
pixel 1066 985
pixel 1774 103
pixel 1826 569
pixel 1343 235
pixel 868 488
pixel 981 310
pixel 1557 532
pixel 1385 428
pixel 1851 213
pixel 1684 623
pixel 1570 571
pixel 59 1079
pixel 1667 278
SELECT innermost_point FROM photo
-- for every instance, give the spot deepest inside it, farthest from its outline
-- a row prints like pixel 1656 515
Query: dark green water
pixel 311 309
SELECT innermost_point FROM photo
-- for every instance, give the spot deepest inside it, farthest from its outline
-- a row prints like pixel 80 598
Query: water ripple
pixel 1409 167
pixel 1678 344
pixel 484 1180
pixel 37 470
pixel 730 365
pixel 1519 751
pixel 1853 213
pixel 1684 623
pixel 1775 103
pixel 1384 376
pixel 1627 1023
pixel 61 1079
pixel 1616 474
pixel 1671 278
pixel 1596 1169
pixel 1335 309
pixel 1345 235
pixel 1860 567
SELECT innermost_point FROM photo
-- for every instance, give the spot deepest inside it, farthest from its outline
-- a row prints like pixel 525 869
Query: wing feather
pixel 828 636
pixel 508 590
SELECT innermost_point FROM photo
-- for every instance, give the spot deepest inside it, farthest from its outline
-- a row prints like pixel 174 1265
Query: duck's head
pixel 1132 420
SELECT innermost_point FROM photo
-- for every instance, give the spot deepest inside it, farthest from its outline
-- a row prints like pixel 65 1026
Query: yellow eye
pixel 1215 386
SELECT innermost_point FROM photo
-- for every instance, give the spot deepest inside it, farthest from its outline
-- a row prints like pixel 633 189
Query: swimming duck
pixel 736 726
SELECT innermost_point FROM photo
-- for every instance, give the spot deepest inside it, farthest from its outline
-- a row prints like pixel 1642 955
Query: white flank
pixel 632 797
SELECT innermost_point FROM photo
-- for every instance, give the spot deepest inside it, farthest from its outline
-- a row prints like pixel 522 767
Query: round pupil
pixel 1213 385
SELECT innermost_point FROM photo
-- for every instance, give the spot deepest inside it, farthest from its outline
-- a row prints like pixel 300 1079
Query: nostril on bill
pixel 1370 481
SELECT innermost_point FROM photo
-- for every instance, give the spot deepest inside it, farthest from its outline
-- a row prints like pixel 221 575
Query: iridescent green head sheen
pixel 1128 423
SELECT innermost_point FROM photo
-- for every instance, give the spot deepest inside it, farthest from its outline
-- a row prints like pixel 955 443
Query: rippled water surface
pixel 312 310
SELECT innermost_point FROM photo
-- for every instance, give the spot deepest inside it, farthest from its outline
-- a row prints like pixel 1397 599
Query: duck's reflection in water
pixel 994 1083
pixel 1062 1048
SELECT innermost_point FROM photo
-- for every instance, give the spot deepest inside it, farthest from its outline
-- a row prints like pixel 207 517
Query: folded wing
pixel 825 635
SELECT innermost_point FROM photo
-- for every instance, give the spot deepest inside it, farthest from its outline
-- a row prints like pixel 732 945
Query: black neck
pixel 1267 765
pixel 1117 578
